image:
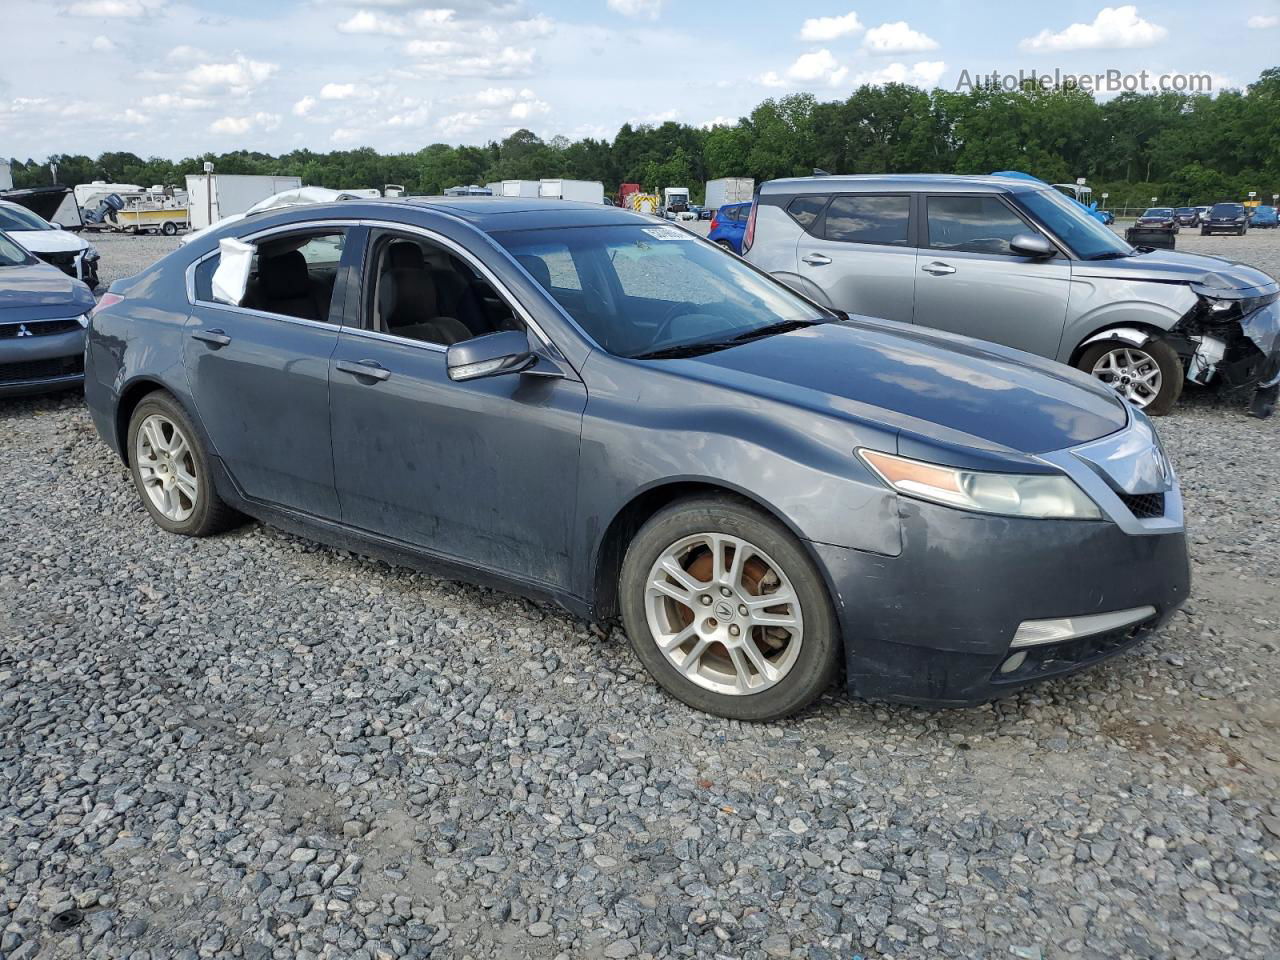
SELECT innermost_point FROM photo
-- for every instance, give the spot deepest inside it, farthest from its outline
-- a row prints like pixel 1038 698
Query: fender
pixel 1131 335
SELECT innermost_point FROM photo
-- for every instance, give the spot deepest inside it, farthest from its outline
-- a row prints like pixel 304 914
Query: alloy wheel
pixel 1132 373
pixel 724 614
pixel 167 467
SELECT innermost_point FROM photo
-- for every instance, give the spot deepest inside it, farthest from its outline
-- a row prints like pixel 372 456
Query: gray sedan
pixel 590 406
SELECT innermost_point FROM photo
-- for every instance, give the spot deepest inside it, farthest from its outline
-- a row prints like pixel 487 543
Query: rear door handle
pixel 364 368
pixel 938 269
pixel 816 260
pixel 216 337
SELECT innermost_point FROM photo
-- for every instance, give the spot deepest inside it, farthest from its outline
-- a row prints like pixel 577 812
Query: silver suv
pixel 1016 262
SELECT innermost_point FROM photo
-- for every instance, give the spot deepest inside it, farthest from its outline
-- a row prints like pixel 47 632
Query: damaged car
pixel 1014 262
pixel 61 248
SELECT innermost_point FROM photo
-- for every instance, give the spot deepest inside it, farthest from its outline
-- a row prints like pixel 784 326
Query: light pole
pixel 208 191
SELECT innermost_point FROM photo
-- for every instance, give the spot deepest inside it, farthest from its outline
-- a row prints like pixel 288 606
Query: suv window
pixel 1227 210
pixel 805 210
pixel 972 224
pixel 868 219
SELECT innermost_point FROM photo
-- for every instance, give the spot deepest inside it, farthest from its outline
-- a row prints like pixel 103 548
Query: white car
pixel 61 248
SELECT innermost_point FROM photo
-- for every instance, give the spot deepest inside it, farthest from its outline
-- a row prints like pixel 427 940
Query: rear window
pixel 805 210
pixel 868 219
pixel 1227 210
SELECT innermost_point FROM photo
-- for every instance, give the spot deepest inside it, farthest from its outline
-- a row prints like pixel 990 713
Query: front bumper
pixel 933 625
pixel 41 364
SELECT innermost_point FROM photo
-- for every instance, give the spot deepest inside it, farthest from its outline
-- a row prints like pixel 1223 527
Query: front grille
pixel 1071 655
pixel 42 369
pixel 66 262
pixel 37 328
pixel 1144 506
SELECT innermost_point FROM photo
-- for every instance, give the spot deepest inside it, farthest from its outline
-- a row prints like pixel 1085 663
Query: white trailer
pixel 6 175
pixel 214 196
pixel 729 190
pixel 518 188
pixel 586 191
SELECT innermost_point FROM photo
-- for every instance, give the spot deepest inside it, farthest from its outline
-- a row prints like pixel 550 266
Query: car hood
pixel 1168 266
pixel 948 388
pixel 39 285
pixel 47 241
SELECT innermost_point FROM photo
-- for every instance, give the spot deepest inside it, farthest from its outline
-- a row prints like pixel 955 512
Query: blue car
pixel 1264 218
pixel 43 313
pixel 729 224
pixel 585 405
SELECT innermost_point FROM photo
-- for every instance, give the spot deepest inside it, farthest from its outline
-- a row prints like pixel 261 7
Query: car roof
pixel 943 182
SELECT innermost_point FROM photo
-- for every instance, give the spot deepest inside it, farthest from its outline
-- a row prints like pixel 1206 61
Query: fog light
pixel 1033 633
pixel 1014 662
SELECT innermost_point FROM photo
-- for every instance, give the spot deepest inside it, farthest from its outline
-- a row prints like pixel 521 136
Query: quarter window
pixel 805 210
pixel 868 219
pixel 292 275
pixel 973 224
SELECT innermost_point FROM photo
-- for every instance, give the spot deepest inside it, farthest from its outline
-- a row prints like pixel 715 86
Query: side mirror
pixel 1032 245
pixel 232 276
pixel 492 355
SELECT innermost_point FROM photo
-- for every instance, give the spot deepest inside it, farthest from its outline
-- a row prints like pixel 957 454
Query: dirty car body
pixel 630 390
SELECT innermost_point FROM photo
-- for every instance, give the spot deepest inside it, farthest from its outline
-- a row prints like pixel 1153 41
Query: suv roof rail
pixel 818 172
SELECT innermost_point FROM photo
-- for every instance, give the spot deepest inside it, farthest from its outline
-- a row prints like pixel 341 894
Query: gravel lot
pixel 251 746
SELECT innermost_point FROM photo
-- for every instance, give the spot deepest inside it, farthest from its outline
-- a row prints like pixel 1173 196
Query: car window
pixel 421 290
pixel 868 219
pixel 1072 225
pixel 643 270
pixel 1227 210
pixel 1159 212
pixel 20 218
pixel 12 255
pixel 555 260
pixel 972 224
pixel 805 210
pixel 293 275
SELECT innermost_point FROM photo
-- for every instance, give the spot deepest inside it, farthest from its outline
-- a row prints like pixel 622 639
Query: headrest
pixel 284 277
pixel 537 268
pixel 403 255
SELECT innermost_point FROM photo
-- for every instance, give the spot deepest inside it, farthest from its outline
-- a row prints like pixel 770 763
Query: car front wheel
pixel 171 470
pixel 1149 377
pixel 727 612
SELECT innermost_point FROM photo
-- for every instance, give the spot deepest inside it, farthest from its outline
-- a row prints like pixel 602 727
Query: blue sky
pixel 177 77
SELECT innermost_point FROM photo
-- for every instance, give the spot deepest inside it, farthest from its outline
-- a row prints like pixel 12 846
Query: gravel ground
pixel 251 746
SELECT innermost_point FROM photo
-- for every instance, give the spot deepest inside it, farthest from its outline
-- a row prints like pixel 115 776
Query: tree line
pixel 1181 148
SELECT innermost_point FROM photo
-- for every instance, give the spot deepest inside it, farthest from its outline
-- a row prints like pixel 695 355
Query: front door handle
pixel 816 260
pixel 215 337
pixel 938 269
pixel 364 368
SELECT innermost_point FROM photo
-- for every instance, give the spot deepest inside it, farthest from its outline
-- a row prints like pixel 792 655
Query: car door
pixel 857 250
pixel 969 281
pixel 482 472
pixel 259 371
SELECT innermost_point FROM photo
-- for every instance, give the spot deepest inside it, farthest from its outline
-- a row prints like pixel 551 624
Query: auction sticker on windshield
pixel 668 233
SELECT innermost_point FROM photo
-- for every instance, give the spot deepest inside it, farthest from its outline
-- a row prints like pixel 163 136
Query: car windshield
pixel 12 255
pixel 1186 210
pixel 1159 212
pixel 19 218
pixel 646 292
pixel 1227 210
pixel 1068 221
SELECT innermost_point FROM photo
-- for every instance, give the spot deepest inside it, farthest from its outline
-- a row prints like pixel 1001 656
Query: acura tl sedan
pixel 587 405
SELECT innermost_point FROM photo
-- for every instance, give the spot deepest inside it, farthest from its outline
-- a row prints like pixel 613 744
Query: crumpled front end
pixel 1233 336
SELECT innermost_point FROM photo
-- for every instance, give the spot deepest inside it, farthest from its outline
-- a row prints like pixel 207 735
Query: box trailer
pixel 729 190
pixel 6 175
pixel 213 196
pixel 585 191
pixel 518 188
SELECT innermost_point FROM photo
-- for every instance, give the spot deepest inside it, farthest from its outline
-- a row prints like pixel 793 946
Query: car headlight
pixel 1044 496
pixel 91 252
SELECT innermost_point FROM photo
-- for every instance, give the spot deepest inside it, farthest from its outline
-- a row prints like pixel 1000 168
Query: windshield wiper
pixel 1111 255
pixel 699 347
pixel 782 326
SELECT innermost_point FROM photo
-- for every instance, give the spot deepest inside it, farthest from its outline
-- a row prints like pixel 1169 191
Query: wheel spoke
pixel 681 576
pixel 689 665
pixel 741 669
pixel 758 660
pixel 762 618
pixel 667 644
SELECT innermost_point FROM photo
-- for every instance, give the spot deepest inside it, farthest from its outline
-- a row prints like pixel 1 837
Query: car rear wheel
pixel 1149 377
pixel 171 470
pixel 725 244
pixel 727 612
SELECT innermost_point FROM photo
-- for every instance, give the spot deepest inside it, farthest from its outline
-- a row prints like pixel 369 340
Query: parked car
pixel 1015 263
pixel 1187 216
pixel 586 405
pixel 1158 220
pixel 1264 218
pixel 1107 217
pixel 1204 213
pixel 42 321
pixel 1226 218
pixel 729 224
pixel 63 249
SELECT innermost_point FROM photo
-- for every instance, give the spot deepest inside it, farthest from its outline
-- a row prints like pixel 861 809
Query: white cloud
pixel 304 106
pixel 102 44
pixel 242 125
pixel 184 52
pixel 507 62
pixel 641 9
pixel 529 108
pixel 345 135
pixel 340 91
pixel 898 37
pixel 497 96
pixel 809 68
pixel 821 29
pixel 718 122
pixel 925 73
pixel 771 79
pixel 431 48
pixel 656 119
pixel 432 18
pixel 114 8
pixel 1114 28
pixel 134 118
pixel 460 123
pixel 1263 22
pixel 173 101
pixel 366 21
pixel 237 77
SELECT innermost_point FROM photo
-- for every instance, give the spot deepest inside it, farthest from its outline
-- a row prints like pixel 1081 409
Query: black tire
pixel 210 514
pixel 725 245
pixel 1171 374
pixel 169 228
pixel 816 665
pixel 1204 233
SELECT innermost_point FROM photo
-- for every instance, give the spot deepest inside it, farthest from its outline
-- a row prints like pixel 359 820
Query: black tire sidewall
pixel 817 664
pixel 205 518
pixel 1171 372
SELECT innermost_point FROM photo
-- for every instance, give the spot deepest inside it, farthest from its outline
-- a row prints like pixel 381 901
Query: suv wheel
pixel 727 612
pixel 1149 377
